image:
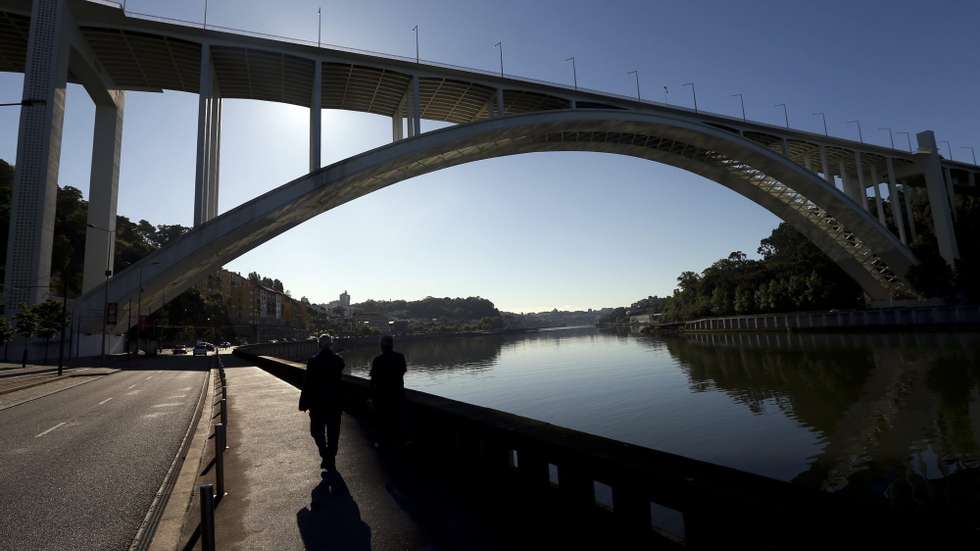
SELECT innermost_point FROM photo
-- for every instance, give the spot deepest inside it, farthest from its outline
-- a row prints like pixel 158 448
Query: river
pixel 824 410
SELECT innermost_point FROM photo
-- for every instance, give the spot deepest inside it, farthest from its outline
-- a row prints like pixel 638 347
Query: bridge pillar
pixel 33 200
pixel 315 114
pixel 851 187
pixel 414 109
pixel 825 167
pixel 875 180
pixel 500 102
pixel 396 125
pixel 859 169
pixel 895 200
pixel 208 143
pixel 940 205
pixel 103 192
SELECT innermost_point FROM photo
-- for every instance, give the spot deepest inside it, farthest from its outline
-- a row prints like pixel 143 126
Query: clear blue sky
pixel 566 230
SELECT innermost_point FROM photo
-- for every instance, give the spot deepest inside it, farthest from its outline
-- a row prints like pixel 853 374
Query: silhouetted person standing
pixel 322 397
pixel 387 387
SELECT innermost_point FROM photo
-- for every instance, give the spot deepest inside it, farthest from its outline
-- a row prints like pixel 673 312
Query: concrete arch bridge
pixel 822 185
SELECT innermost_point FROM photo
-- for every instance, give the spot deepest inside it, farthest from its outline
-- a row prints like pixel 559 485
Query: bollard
pixel 207 517
pixel 224 411
pixel 220 443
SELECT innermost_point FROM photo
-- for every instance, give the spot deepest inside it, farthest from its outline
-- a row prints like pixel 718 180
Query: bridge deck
pixel 278 500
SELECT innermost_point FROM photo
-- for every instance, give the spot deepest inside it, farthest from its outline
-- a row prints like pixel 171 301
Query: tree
pixel 25 322
pixel 49 322
pixel 6 334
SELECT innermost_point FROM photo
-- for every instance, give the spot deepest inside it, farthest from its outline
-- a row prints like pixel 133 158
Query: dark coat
pixel 388 375
pixel 321 384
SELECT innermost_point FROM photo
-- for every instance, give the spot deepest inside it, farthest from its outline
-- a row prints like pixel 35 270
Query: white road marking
pixel 168 405
pixel 104 401
pixel 185 389
pixel 150 377
pixel 130 387
pixel 178 396
pixel 61 424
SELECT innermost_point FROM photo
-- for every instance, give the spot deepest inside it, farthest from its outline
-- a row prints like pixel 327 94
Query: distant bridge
pixel 821 185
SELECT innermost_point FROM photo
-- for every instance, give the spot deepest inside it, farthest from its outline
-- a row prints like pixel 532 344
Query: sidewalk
pixel 276 497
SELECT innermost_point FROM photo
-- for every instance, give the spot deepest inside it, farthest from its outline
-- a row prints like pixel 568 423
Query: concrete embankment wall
pixel 618 486
pixel 893 319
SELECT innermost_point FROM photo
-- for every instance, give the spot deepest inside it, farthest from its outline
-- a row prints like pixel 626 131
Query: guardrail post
pixel 224 411
pixel 220 443
pixel 207 517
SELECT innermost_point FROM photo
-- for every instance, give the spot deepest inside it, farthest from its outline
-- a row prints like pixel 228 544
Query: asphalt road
pixel 79 468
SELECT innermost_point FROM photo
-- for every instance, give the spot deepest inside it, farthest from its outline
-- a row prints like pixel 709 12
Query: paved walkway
pixel 276 496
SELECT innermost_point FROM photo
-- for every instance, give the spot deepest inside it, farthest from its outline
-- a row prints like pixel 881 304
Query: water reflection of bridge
pixel 899 413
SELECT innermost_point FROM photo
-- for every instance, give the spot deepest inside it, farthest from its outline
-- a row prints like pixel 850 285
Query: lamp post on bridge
pixel 319 29
pixel 824 117
pixel 694 94
pixel 418 58
pixel 891 138
pixel 666 96
pixel 574 74
pixel 908 137
pixel 108 274
pixel 785 113
pixel 636 77
pixel 860 135
pixel 949 148
pixel 741 101
pixel 500 46
pixel 972 152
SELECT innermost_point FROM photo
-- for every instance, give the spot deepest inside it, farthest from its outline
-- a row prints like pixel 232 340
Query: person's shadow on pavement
pixel 333 521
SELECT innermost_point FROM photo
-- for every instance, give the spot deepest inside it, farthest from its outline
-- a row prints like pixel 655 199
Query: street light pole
pixel 785 113
pixel 105 301
pixel 824 117
pixel 500 45
pixel 574 74
pixel 636 76
pixel 418 58
pixel 891 137
pixel 908 137
pixel 860 135
pixel 694 94
pixel 741 101
pixel 949 148
pixel 319 30
pixel 972 152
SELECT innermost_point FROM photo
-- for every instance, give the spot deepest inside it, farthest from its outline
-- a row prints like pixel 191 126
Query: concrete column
pixel 874 184
pixel 396 126
pixel 785 148
pixel 500 102
pixel 850 186
pixel 907 191
pixel 103 192
pixel 202 177
pixel 895 201
pixel 949 190
pixel 33 200
pixel 315 113
pixel 806 163
pixel 825 166
pixel 930 164
pixel 414 109
pixel 859 169
pixel 214 149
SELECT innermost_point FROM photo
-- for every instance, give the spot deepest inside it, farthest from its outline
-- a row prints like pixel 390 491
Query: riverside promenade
pixel 277 499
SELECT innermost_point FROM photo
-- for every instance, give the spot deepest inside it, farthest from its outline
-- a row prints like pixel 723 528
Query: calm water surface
pixel 821 410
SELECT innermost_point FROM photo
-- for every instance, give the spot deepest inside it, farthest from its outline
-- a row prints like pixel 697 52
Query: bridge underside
pixel 865 249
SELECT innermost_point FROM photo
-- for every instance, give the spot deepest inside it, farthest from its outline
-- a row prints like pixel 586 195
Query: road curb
pixel 145 535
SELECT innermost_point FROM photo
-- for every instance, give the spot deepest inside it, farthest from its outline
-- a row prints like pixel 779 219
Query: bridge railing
pixel 916 316
pixel 614 485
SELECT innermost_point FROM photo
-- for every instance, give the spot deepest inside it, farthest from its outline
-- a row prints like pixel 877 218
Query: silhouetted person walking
pixel 321 396
pixel 387 387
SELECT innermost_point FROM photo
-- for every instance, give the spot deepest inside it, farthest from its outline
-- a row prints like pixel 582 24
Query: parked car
pixel 201 349
pixel 225 344
pixel 209 345
pixel 180 349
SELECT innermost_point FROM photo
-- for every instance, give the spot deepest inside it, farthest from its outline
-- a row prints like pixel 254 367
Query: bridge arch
pixel 860 245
